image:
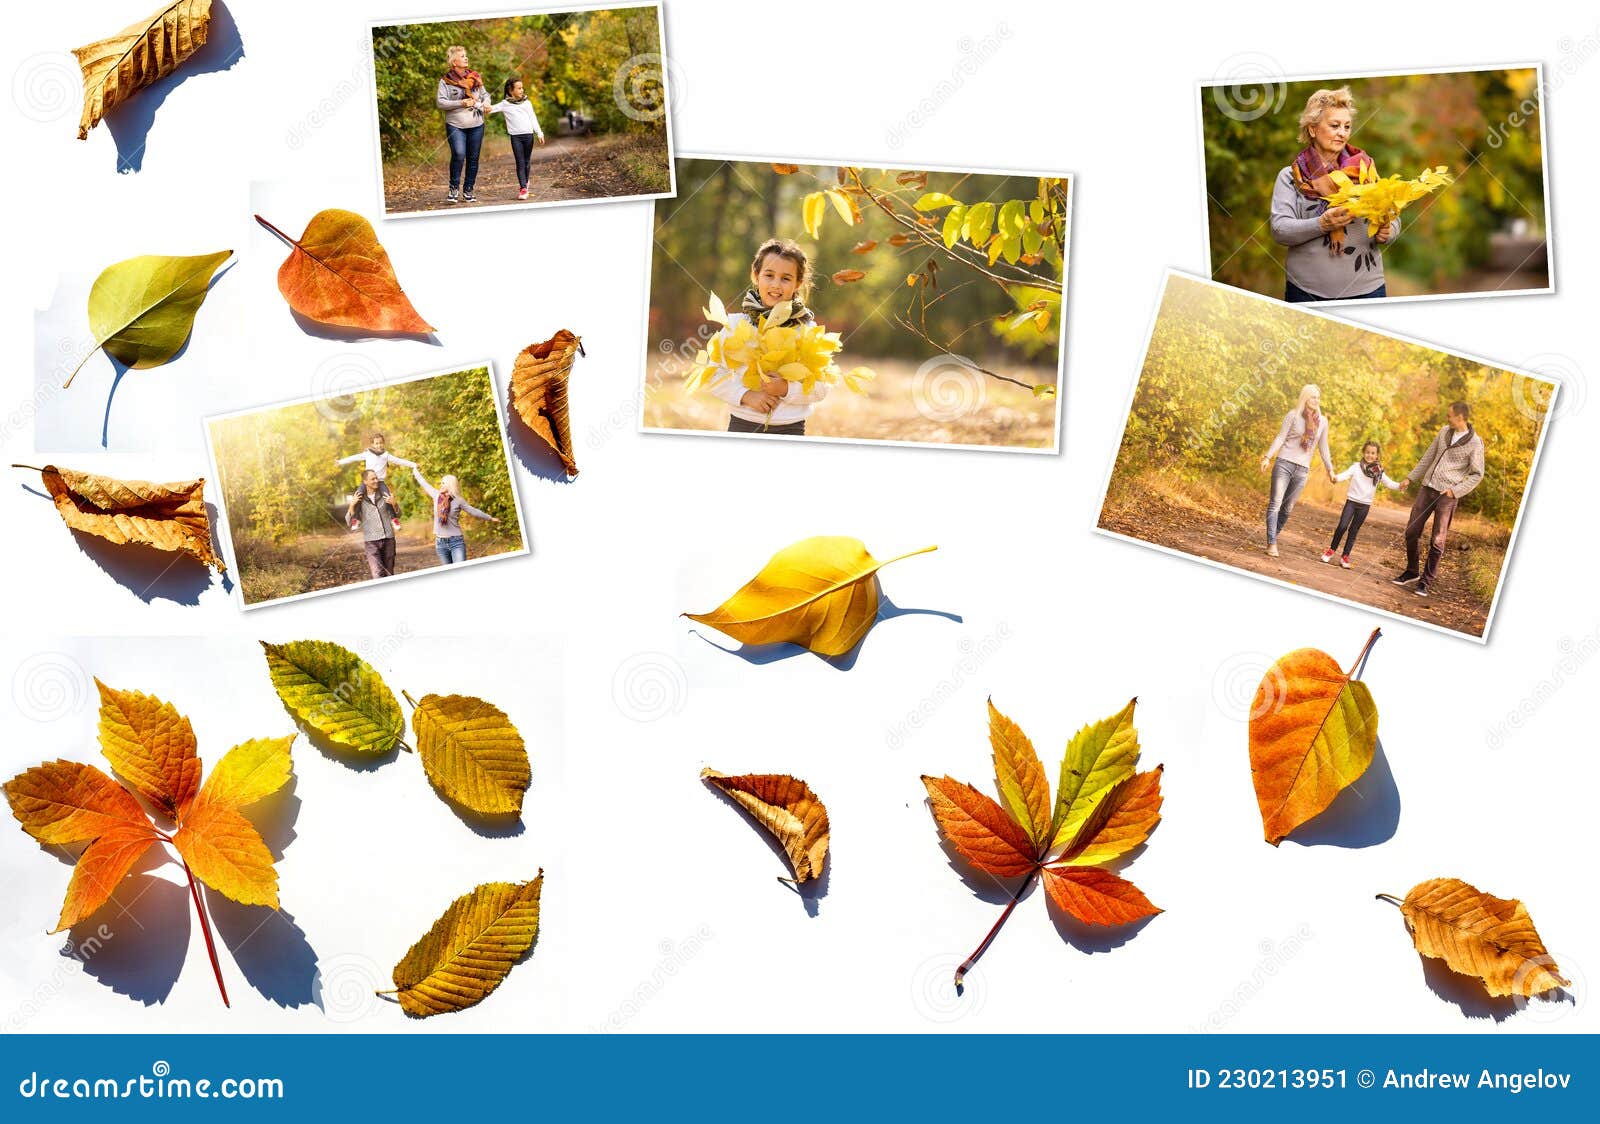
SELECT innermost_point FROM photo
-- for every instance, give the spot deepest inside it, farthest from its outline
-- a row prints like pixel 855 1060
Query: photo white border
pixel 528 205
pixel 1522 505
pixel 1061 325
pixel 1202 85
pixel 225 537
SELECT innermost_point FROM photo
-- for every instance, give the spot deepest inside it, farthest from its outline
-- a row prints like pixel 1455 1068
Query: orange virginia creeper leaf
pixel 69 802
pixel 101 869
pixel 1132 818
pixel 1095 896
pixel 227 853
pixel 151 746
pixel 1024 789
pixel 979 829
pixel 1480 935
pixel 788 809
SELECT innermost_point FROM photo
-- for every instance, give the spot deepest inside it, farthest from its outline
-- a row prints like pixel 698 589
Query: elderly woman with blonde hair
pixel 1330 256
pixel 1304 431
pixel 464 101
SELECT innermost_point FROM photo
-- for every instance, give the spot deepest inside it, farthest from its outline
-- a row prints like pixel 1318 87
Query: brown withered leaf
pixel 788 809
pixel 1480 935
pixel 338 273
pixel 165 516
pixel 864 247
pixel 539 392
pixel 786 169
pixel 117 67
pixel 846 276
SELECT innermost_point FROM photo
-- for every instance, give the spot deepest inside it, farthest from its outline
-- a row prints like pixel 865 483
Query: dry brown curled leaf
pixel 539 392
pixel 119 66
pixel 1480 935
pixel 788 809
pixel 165 516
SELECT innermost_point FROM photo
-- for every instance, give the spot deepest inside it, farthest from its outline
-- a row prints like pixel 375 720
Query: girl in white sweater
pixel 1365 475
pixel 522 126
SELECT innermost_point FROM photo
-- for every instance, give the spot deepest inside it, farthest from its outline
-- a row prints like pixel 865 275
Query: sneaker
pixel 1344 561
pixel 523 194
pixel 1406 578
pixel 1421 589
pixel 1327 556
pixel 468 197
pixel 396 523
pixel 355 524
pixel 451 198
pixel 1272 550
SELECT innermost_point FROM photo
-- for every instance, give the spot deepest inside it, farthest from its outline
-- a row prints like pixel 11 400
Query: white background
pixel 662 910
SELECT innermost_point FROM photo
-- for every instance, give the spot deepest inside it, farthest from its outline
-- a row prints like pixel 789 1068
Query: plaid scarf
pixel 1374 471
pixel 752 307
pixel 1313 179
pixel 441 506
pixel 467 80
pixel 1313 421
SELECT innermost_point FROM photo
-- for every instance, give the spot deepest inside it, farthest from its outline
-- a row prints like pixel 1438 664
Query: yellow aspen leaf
pixel 101 869
pixel 1479 935
pixel 337 694
pixel 820 593
pixel 539 391
pixel 151 746
pixel 227 853
pixel 338 273
pixel 1098 757
pixel 811 211
pixel 934 200
pixel 470 948
pixel 980 220
pixel 168 517
pixel 1019 776
pixel 70 802
pixel 843 205
pixel 142 310
pixel 248 772
pixel 788 809
pixel 117 67
pixel 1313 732
pixel 472 753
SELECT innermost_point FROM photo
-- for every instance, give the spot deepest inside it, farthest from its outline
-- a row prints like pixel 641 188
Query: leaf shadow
pixel 339 333
pixel 760 654
pixel 1092 938
pixel 983 885
pixel 811 892
pixel 274 817
pixel 485 824
pixel 268 947
pixel 136 945
pixel 1365 814
pixel 130 122
pixel 541 461
pixel 349 758
pixel 1465 992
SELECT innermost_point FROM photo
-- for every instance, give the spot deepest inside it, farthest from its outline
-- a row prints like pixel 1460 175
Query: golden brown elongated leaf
pixel 338 273
pixel 116 68
pixel 470 949
pixel 1313 732
pixel 165 516
pixel 788 809
pixel 101 869
pixel 820 593
pixel 151 746
pixel 472 753
pixel 70 802
pixel 1480 935
pixel 539 391
pixel 1020 777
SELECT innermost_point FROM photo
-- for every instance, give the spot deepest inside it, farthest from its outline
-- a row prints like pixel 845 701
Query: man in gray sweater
pixel 1452 467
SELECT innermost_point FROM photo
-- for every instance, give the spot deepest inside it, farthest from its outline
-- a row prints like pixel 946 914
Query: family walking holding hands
pixel 464 100
pixel 1451 467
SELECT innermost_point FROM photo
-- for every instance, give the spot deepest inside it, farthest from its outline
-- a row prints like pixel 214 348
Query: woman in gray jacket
pixel 1304 431
pixel 464 101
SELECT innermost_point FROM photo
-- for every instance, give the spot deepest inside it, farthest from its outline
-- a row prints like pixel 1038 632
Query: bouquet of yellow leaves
pixel 755 352
pixel 1380 200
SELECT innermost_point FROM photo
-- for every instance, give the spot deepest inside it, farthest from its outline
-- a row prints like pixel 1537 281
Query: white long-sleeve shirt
pixel 377 462
pixel 520 120
pixel 792 407
pixel 1363 488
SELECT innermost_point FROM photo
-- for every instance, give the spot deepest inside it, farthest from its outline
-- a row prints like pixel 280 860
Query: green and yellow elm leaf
pixel 337 694
pixel 472 753
pixel 470 949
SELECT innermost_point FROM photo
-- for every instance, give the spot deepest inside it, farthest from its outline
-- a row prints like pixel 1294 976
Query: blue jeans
pixel 1287 480
pixel 1294 294
pixel 464 146
pixel 452 549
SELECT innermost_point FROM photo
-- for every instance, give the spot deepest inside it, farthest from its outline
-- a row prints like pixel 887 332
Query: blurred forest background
pixel 1222 370
pixel 904 286
pixel 602 67
pixel 285 497
pixel 1486 231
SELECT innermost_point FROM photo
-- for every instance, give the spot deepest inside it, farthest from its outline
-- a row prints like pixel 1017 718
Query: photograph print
pixel 836 301
pixel 1284 443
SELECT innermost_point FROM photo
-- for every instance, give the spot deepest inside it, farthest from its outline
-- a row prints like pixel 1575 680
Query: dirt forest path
pixel 340 559
pixel 563 168
pixel 1237 537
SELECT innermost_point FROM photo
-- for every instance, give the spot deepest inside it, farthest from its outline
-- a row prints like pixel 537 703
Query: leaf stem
pixel 276 231
pixel 966 965
pixel 1361 660
pixel 1390 898
pixel 29 467
pixel 205 927
pixel 405 694
pixel 907 554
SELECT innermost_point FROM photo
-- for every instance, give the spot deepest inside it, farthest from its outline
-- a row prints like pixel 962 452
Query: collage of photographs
pixel 354 300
